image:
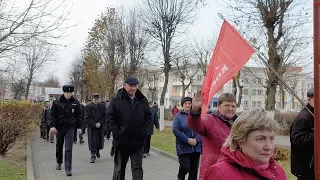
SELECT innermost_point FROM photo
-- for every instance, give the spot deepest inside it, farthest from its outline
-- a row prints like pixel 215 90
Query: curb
pixel 30 170
pixel 163 153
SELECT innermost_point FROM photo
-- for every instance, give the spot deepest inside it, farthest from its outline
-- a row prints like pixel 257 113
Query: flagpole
pixel 316 31
pixel 275 72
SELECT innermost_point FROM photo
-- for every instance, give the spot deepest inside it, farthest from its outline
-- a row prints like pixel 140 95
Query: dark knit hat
pixel 310 93
pixel 67 88
pixel 185 99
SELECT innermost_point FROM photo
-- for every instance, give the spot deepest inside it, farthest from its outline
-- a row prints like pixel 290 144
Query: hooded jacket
pixel 235 165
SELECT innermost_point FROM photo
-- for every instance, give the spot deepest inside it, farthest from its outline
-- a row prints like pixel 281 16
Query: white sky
pixel 85 12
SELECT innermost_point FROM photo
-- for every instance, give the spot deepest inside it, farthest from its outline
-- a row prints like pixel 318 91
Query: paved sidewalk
pixel 280 140
pixel 156 167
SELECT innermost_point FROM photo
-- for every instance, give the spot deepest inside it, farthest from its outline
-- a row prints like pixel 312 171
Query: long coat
pixel 95 113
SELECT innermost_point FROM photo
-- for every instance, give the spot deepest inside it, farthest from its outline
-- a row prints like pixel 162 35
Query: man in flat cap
pixel 128 117
pixel 65 116
pixel 302 142
pixel 94 116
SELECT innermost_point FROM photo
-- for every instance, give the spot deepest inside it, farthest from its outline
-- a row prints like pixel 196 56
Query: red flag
pixel 231 53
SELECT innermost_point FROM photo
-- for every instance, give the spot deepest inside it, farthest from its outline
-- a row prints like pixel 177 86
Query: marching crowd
pixel 226 146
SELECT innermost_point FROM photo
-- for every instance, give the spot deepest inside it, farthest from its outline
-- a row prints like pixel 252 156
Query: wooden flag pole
pixel 316 31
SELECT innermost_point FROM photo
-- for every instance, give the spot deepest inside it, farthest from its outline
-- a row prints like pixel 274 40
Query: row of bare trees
pixel 29 34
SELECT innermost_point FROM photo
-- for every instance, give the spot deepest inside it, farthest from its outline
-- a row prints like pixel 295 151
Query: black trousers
pixel 121 157
pixel 107 132
pixel 147 144
pixel 189 163
pixel 67 136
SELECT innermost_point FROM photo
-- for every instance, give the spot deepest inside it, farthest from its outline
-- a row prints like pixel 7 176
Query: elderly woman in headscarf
pixel 248 151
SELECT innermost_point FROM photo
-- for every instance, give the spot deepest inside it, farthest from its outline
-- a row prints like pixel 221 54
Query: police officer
pixel 65 116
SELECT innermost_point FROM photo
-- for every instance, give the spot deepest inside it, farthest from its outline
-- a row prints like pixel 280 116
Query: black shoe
pixel 58 167
pixel 144 155
pixel 148 154
pixel 98 155
pixel 68 173
pixel 82 141
pixel 92 159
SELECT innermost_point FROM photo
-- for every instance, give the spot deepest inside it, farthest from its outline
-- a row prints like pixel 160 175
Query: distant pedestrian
pixel 150 129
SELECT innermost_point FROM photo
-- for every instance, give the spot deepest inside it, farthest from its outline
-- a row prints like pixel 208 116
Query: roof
pixel 53 91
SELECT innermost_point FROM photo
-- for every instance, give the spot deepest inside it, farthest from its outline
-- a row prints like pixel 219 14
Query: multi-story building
pixel 253 80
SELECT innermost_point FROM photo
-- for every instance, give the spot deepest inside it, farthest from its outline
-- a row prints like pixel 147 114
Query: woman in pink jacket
pixel 248 151
pixel 214 128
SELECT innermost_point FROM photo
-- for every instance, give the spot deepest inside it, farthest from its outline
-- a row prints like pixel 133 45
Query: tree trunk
pixel 234 86
pixel 183 90
pixel 282 93
pixel 271 97
pixel 166 71
pixel 28 87
pixel 240 91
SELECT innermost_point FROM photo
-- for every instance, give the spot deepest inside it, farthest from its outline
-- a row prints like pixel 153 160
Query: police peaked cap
pixel 131 81
pixel 95 96
pixel 67 88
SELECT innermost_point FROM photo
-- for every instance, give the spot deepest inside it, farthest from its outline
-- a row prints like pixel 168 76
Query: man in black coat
pixel 128 117
pixel 95 114
pixel 150 129
pixel 302 142
pixel 65 116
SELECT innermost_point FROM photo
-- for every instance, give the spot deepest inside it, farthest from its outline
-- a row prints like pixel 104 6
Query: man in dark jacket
pixel 302 142
pixel 95 114
pixel 155 122
pixel 107 131
pixel 128 117
pixel 65 116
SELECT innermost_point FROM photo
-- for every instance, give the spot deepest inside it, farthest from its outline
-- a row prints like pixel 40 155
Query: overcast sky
pixel 84 13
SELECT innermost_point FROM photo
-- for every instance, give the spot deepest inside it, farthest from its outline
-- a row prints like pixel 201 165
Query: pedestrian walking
pixel 107 132
pixel 128 117
pixel 94 116
pixel 150 129
pixel 188 143
pixel 65 116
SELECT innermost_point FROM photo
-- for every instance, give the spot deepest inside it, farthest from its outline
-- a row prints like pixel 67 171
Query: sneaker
pixel 68 173
pixel 92 159
pixel 58 167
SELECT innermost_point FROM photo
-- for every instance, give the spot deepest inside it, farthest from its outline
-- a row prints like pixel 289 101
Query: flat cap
pixel 95 96
pixel 310 93
pixel 67 88
pixel 131 80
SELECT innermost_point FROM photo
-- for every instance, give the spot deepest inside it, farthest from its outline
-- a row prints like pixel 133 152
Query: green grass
pixel 11 171
pixel 165 140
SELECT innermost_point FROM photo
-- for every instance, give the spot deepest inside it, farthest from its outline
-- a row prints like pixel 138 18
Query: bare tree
pixel 237 84
pixel 36 55
pixel 76 75
pixel 274 28
pixel 52 81
pixel 185 70
pixel 152 83
pixel 132 42
pixel 32 19
pixel 18 87
pixel 164 21
pixel 202 51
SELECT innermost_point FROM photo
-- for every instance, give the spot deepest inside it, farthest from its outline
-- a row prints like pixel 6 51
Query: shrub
pixel 281 154
pixel 17 120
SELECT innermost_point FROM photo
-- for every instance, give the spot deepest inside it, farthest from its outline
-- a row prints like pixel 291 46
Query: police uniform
pixel 65 116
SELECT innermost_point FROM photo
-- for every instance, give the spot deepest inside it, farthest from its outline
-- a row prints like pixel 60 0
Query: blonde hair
pixel 246 123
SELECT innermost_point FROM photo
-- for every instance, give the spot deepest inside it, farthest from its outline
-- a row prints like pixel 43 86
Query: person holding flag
pixel 231 53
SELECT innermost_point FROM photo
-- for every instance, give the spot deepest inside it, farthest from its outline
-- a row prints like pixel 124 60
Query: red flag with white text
pixel 231 53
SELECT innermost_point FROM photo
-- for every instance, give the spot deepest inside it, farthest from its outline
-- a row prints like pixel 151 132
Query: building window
pixel 254 80
pixel 245 92
pixel 259 91
pixel 199 77
pixel 254 92
pixel 258 103
pixel 245 103
pixel 259 81
pixel 253 104
pixel 246 81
